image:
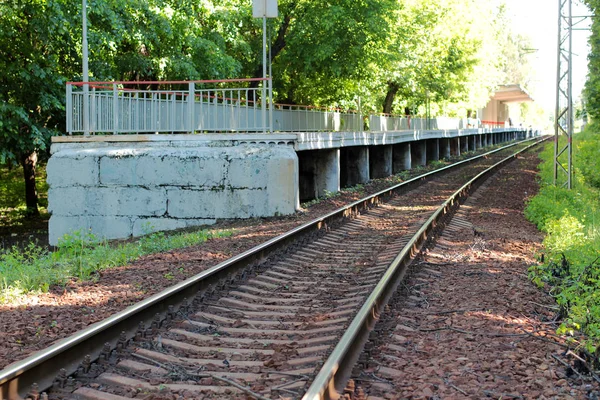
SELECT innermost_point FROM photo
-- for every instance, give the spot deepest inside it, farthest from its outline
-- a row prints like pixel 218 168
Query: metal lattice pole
pixel 564 96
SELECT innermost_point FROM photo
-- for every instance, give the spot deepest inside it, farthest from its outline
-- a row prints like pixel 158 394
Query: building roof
pixel 511 94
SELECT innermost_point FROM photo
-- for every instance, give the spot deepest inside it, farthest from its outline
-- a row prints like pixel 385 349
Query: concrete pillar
pixel 328 172
pixel 380 161
pixel 445 151
pixel 464 144
pixel 401 159
pixel 455 146
pixel 479 141
pixel 307 166
pixel 472 143
pixel 418 153
pixel 433 150
pixel 354 166
pixel 319 173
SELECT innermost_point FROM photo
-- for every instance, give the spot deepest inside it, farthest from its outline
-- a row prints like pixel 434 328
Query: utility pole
pixel 564 96
pixel 266 9
pixel 86 73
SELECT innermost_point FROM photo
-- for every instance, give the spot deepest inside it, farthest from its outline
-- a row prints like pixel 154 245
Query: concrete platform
pixel 120 186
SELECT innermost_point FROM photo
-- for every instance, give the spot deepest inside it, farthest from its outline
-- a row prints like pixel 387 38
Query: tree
pixel 159 40
pixel 429 54
pixel 321 51
pixel 36 53
pixel 592 86
pixel 40 50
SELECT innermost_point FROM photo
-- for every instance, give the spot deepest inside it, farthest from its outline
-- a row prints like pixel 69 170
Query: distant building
pixel 502 109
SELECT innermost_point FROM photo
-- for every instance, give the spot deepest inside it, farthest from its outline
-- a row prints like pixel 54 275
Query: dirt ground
pixel 469 323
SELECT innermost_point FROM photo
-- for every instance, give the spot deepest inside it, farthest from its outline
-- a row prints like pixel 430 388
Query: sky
pixel 538 19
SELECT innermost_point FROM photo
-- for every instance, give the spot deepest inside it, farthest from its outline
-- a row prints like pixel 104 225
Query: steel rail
pixel 331 379
pixel 42 367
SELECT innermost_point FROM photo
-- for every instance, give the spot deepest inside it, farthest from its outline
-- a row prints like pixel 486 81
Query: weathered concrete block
pixel 82 169
pixel 227 203
pixel 281 194
pixel 250 172
pixel 249 203
pixel 144 226
pixel 195 203
pixel 107 201
pixel 203 167
pixel 159 187
pixel 103 227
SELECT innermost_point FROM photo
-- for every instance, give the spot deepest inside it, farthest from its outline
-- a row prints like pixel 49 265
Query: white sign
pixel 264 8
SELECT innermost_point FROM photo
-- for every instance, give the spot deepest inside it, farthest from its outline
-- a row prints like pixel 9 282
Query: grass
pixel 30 267
pixel 571 221
pixel 79 256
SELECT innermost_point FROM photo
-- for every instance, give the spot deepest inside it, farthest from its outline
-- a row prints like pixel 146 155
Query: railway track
pixel 286 319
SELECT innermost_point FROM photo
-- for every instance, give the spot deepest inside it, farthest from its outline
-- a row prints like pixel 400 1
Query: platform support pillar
pixel 401 160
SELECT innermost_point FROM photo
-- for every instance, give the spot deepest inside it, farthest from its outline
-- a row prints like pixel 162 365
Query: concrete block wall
pixel 130 189
pixel 128 185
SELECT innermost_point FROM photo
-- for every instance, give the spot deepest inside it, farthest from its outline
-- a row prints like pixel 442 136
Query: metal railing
pixel 220 106
pixel 492 124
pixel 295 118
pixel 166 107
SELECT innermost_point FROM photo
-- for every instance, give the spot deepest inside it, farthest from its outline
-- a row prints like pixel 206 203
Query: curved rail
pixel 331 379
pixel 42 367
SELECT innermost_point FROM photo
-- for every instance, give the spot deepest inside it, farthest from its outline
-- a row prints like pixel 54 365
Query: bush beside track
pixel 571 220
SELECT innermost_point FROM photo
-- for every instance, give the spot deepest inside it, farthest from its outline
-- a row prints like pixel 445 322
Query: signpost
pixel 266 9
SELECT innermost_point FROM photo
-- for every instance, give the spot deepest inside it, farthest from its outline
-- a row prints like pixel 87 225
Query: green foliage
pixel 37 51
pixel 571 221
pixel 586 149
pixel 160 40
pixel 79 256
pixel 12 188
pixel 592 85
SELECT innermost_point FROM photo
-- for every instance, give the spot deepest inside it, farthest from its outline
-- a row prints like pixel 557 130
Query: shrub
pixel 570 220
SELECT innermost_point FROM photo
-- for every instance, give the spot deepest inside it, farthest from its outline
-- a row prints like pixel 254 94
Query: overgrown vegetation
pixel 79 256
pixel 13 211
pixel 571 220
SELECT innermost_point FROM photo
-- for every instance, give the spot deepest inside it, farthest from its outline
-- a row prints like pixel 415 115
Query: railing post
pixel 86 109
pixel 69 109
pixel 191 99
pixel 115 110
pixel 92 117
pixel 270 101
pixel 263 106
pixel 360 120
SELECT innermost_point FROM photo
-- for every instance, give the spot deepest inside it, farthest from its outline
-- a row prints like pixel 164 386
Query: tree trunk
pixel 389 97
pixel 29 162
